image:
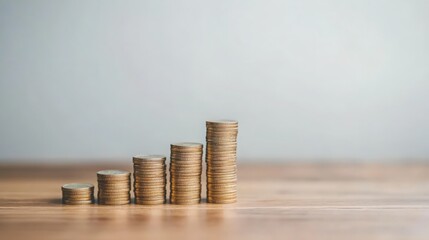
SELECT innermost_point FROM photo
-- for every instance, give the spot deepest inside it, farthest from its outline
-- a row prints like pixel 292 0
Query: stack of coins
pixel 149 179
pixel 78 193
pixel 113 187
pixel 185 173
pixel 221 155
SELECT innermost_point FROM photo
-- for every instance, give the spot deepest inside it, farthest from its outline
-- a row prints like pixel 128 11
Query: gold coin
pixel 150 176
pixel 192 152
pixel 151 197
pixel 186 146
pixel 114 188
pixel 185 191
pixel 83 202
pixel 113 174
pixel 228 135
pixel 154 158
pixel 149 185
pixel 213 158
pixel 192 202
pixel 214 154
pixel 149 194
pixel 149 166
pixel 221 187
pixel 78 198
pixel 149 173
pixel 221 201
pixel 222 192
pixel 146 181
pixel 124 182
pixel 119 195
pixel 75 187
pixel 221 172
pixel 107 192
pixel 148 202
pixel 222 122
pixel 77 194
pixel 150 182
pixel 185 159
pixel 221 148
pixel 185 186
pixel 154 169
pixel 114 202
pixel 185 166
pixel 186 171
pixel 149 191
pixel 196 180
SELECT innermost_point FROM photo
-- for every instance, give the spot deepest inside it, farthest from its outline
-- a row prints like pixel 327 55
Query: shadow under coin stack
pixel 113 187
pixel 185 173
pixel 221 158
pixel 149 179
pixel 78 193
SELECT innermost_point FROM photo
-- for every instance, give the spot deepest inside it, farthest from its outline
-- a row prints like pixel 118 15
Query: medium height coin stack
pixel 149 179
pixel 113 187
pixel 221 155
pixel 185 173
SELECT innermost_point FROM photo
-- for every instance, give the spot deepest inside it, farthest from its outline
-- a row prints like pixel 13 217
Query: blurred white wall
pixel 306 79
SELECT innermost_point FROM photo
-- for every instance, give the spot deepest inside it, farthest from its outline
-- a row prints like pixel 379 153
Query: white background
pixel 345 80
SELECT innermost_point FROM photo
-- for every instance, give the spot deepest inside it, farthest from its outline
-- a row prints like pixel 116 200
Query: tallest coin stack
pixel 221 158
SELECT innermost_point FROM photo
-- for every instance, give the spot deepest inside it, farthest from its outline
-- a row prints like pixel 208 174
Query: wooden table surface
pixel 290 201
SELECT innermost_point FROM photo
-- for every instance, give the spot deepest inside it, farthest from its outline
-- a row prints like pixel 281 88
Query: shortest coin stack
pixel 78 193
pixel 113 187
pixel 149 179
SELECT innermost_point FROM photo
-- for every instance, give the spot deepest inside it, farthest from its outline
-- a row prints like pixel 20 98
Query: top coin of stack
pixel 113 187
pixel 185 173
pixel 149 179
pixel 221 155
pixel 78 193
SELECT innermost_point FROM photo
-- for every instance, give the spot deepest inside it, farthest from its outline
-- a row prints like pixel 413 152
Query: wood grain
pixel 290 201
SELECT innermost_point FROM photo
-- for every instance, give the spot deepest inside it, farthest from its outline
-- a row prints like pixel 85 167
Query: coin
pixel 113 187
pixel 112 202
pixel 221 154
pixel 82 202
pixel 77 193
pixel 149 158
pixel 77 187
pixel 112 174
pixel 150 179
pixel 185 172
